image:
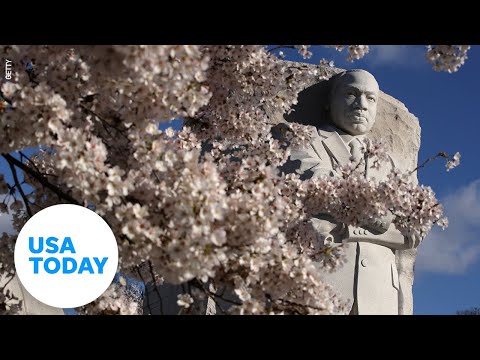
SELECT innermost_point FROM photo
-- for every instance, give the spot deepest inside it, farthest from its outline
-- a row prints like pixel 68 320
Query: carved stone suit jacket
pixel 369 278
pixel 30 305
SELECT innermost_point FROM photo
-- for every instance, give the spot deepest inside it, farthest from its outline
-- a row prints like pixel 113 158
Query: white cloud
pixel 458 246
pixel 405 55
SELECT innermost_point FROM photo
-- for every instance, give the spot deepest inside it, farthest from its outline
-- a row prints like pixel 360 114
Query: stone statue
pixel 30 305
pixel 400 130
pixel 370 277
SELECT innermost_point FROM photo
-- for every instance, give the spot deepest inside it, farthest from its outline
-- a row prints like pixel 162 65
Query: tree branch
pixel 20 189
pixel 154 278
pixel 105 122
pixel 22 155
pixel 146 296
pixel 293 303
pixel 11 160
pixel 281 47
pixel 199 285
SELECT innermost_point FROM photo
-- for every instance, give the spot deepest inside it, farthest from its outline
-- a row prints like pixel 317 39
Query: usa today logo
pixel 66 256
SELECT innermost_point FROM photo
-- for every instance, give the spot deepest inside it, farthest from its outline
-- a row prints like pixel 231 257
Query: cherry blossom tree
pixel 470 311
pixel 204 205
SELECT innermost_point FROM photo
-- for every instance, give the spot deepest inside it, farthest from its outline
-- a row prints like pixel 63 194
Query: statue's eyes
pixel 372 99
pixel 350 94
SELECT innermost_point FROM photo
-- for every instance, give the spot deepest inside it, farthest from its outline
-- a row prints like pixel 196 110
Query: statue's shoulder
pixel 325 131
pixel 318 134
pixel 313 150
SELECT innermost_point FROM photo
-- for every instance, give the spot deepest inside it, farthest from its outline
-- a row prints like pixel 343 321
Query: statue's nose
pixel 361 102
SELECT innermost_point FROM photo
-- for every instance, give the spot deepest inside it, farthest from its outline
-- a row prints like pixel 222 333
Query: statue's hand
pixel 380 225
pixel 329 231
pixel 414 241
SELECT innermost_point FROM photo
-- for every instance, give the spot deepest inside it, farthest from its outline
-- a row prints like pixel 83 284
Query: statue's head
pixel 353 101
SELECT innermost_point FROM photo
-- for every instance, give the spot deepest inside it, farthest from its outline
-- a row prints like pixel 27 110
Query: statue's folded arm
pixel 392 238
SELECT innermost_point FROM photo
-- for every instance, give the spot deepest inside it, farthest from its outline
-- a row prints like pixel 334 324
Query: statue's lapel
pixel 336 147
pixel 317 146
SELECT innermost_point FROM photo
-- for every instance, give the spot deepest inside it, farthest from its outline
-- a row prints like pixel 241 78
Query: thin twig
pixel 152 273
pixel 440 154
pixel 146 290
pixel 281 47
pixel 200 286
pixel 20 190
pixel 104 122
pixel 156 176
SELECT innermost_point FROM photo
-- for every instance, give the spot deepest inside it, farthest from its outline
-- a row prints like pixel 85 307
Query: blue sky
pixel 448 265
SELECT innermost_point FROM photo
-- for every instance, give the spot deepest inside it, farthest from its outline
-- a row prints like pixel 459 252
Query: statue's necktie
pixel 356 149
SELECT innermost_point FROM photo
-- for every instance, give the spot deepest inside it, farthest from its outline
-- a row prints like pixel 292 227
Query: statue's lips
pixel 358 119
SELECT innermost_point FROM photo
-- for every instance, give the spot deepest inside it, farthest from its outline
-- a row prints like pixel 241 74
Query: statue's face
pixel 354 103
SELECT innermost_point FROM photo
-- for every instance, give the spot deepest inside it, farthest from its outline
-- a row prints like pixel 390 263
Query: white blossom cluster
pixel 325 64
pixel 453 162
pixel 41 103
pixel 303 51
pixel 204 204
pixel 355 52
pixel 356 200
pixel 117 85
pixel 447 57
pixel 116 300
pixel 184 300
pixel 257 85
pixel 187 217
